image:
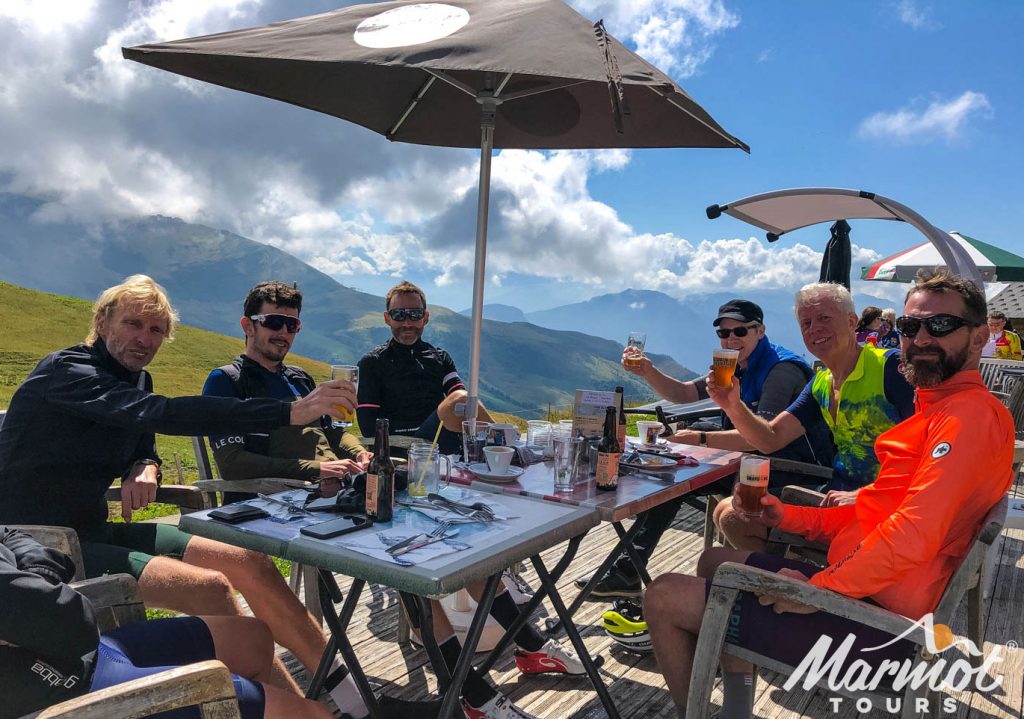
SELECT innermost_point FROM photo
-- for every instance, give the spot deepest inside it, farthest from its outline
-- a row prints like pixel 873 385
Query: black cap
pixel 739 310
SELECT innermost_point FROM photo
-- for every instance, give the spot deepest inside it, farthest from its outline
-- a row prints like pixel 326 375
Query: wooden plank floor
pixel 634 681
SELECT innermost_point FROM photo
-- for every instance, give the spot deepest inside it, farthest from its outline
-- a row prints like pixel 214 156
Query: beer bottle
pixel 620 432
pixel 380 478
pixel 608 452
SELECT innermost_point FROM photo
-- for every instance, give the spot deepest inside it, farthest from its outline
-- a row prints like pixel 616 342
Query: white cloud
pixel 938 120
pixel 637 305
pixel 675 35
pixel 916 16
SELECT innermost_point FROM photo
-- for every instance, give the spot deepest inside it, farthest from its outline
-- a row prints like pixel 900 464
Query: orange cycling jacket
pixel 941 471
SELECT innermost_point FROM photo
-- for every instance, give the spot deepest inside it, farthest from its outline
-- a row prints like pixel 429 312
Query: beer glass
pixel 350 373
pixel 565 449
pixel 635 344
pixel 752 485
pixel 723 366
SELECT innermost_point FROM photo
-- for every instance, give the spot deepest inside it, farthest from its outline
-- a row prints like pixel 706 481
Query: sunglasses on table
pixel 937 325
pixel 738 331
pixel 402 314
pixel 275 322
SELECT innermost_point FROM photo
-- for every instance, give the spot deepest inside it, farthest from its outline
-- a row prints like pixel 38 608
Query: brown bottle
pixel 608 453
pixel 620 432
pixel 380 477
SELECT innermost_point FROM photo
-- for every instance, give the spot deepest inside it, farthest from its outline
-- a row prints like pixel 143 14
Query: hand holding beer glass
pixel 349 373
pixel 751 487
pixel 633 355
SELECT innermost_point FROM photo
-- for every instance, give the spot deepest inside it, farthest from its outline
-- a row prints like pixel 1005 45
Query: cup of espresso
pixel 723 366
pixel 752 485
pixel 649 431
pixel 499 459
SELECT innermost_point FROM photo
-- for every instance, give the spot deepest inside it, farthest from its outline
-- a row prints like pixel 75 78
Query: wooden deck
pixel 634 681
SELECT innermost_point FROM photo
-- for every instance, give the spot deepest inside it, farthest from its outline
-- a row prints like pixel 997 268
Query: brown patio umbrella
pixel 466 73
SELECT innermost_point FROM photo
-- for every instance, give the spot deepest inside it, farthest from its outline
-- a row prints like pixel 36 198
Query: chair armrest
pixel 188 498
pixel 264 485
pixel 115 599
pixel 809 469
pixel 205 683
pixel 750 579
pixel 801 496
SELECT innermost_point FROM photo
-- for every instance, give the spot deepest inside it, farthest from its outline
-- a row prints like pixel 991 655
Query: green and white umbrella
pixel 994 264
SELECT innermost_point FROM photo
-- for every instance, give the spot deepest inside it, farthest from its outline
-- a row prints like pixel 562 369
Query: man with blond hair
pixel 87 415
pixel 859 394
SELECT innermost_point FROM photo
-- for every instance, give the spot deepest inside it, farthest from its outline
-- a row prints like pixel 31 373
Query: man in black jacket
pixel 50 650
pixel 86 415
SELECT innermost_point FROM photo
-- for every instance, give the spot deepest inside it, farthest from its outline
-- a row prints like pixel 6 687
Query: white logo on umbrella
pixel 941 450
pixel 410 25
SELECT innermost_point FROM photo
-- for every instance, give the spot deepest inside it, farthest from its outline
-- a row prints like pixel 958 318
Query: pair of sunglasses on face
pixel 937 325
pixel 738 331
pixel 275 322
pixel 402 314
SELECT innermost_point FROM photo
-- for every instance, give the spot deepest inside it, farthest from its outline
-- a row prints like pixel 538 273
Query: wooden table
pixel 532 528
pixel 635 494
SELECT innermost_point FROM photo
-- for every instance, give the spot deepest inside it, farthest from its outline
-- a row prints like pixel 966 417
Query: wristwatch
pixel 703 439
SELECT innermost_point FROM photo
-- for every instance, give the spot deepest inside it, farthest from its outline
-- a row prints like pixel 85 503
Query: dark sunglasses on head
pixel 937 325
pixel 738 331
pixel 275 322
pixel 402 314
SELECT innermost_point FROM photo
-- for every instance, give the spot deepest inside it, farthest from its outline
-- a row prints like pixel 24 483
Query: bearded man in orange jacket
pixel 941 471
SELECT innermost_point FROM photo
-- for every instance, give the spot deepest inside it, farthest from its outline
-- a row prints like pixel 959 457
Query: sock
pixel 505 611
pixel 737 695
pixel 343 691
pixel 475 690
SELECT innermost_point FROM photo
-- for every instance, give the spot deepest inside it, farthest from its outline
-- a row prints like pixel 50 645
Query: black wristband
pixel 703 439
pixel 147 461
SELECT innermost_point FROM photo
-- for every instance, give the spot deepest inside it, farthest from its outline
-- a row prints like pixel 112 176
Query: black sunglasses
pixel 738 331
pixel 275 322
pixel 937 325
pixel 402 314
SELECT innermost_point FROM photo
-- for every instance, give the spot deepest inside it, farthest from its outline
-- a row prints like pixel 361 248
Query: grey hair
pixel 837 294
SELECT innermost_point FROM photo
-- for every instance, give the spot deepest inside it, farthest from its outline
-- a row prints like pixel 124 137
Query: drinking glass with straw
pixel 416 486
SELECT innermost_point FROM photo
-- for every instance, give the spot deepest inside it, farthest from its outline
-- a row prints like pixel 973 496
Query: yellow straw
pixel 420 489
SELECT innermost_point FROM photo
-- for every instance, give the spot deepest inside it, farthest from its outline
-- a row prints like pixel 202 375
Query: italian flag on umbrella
pixel 995 265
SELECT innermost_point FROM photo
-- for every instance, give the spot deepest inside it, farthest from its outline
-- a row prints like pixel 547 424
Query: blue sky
pixel 919 101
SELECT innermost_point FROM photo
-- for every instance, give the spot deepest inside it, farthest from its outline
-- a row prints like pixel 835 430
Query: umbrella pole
pixel 489 106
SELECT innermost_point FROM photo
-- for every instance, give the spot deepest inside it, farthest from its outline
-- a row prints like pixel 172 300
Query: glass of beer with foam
pixel 723 366
pixel 752 485
pixel 635 349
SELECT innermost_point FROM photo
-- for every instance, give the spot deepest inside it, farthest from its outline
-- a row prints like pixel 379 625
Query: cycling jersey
pixel 872 399
pixel 404 384
pixel 941 471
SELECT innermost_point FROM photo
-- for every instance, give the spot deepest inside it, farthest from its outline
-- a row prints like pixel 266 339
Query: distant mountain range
pixel 679 328
pixel 207 273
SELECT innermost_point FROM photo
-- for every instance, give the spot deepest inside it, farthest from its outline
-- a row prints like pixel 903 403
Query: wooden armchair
pixel 730 579
pixel 116 601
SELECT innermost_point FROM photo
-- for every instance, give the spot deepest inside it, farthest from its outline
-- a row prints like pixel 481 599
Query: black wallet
pixel 235 513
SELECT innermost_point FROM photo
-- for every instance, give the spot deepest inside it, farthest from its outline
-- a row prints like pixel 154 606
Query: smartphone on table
pixel 335 527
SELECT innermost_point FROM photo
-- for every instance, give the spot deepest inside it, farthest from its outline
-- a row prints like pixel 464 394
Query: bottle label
pixel 372 493
pixel 607 469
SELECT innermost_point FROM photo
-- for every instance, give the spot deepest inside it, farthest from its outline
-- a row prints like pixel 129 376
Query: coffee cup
pixel 499 459
pixel 649 431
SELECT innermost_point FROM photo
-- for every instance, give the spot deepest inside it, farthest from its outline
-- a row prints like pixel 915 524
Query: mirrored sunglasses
pixel 402 314
pixel 937 325
pixel 738 331
pixel 274 322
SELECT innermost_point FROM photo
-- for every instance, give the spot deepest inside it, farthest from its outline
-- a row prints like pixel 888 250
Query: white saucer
pixel 481 470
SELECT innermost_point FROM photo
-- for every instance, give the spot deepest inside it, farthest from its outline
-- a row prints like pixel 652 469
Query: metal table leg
pixel 526 612
pixel 420 608
pixel 626 538
pixel 337 623
pixel 574 636
pixel 630 550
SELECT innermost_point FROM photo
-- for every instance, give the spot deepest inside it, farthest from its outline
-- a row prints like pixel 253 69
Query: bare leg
pixel 263 587
pixel 170 584
pixel 281 704
pixel 245 645
pixel 453 422
pixel 710 559
pixel 745 535
pixel 674 609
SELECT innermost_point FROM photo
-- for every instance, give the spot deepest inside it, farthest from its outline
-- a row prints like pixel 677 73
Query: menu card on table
pixel 588 411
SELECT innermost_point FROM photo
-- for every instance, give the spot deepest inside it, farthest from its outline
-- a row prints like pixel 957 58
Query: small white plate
pixel 651 462
pixel 481 470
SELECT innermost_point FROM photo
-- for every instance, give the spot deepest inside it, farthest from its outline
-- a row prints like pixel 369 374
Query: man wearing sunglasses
pixel 270 322
pixel 858 395
pixel 898 544
pixel 87 415
pixel 412 383
pixel 771 377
